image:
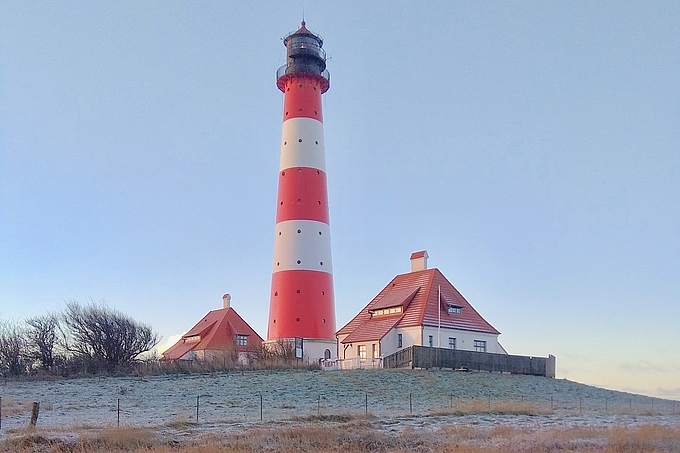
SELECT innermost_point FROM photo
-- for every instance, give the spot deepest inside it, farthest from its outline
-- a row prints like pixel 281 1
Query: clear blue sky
pixel 532 148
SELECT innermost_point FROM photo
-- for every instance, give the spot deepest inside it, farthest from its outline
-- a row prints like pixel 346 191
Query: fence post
pixel 606 405
pixel 118 411
pixel 410 403
pixel 552 406
pixel 198 398
pixel 366 403
pixel 451 400
pixel 580 405
pixel 34 415
pixel 630 404
pixel 318 407
pixel 261 418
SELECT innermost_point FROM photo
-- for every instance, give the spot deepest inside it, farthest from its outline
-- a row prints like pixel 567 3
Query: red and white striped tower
pixel 301 300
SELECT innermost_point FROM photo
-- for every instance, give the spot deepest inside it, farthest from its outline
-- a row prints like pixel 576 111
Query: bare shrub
pixel 41 336
pixel 104 336
pixel 13 349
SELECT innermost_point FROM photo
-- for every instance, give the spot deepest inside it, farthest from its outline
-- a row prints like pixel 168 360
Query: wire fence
pixel 264 406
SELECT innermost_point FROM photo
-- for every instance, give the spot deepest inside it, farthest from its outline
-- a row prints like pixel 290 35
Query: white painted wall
pixel 465 340
pixel 352 350
pixel 314 349
pixel 410 336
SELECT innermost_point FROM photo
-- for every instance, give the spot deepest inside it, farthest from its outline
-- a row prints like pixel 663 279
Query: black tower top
pixel 304 55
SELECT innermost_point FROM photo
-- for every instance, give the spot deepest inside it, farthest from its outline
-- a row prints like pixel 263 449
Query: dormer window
pixel 386 311
pixel 453 309
pixel 192 339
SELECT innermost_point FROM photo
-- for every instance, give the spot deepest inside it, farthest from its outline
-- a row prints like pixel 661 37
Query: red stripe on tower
pixel 301 300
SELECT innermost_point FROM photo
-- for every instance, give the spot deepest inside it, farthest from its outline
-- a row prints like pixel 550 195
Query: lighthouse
pixel 301 303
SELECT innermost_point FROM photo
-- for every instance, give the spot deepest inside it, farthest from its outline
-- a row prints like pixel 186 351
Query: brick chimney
pixel 419 261
pixel 226 301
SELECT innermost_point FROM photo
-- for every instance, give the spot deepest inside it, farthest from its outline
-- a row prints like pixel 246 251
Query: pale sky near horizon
pixel 532 148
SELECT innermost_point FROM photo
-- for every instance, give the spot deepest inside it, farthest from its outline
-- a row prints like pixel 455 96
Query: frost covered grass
pixel 282 396
pixel 358 436
pixel 502 407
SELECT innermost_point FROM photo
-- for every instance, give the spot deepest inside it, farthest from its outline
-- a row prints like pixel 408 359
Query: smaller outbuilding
pixel 420 308
pixel 221 335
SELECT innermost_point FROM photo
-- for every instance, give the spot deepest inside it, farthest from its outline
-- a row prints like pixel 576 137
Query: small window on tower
pixel 241 340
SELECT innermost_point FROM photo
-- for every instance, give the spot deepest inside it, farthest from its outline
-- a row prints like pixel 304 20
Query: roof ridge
pixel 430 278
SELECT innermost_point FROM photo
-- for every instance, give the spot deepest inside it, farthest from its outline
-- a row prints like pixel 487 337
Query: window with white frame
pixel 241 340
pixel 386 311
pixel 400 341
pixel 452 343
pixel 480 345
pixel 361 351
pixel 454 309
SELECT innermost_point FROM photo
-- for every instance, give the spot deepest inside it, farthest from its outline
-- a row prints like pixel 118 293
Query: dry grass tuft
pixel 180 424
pixel 357 436
pixel 13 407
pixel 646 438
pixel 126 439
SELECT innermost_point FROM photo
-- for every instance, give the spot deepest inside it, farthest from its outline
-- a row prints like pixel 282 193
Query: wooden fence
pixel 424 357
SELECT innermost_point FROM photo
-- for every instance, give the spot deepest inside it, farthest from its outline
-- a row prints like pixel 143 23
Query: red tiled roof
pixel 396 298
pixel 423 307
pixel 217 331
pixel 374 329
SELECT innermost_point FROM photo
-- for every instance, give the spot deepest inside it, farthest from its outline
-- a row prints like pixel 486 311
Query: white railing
pixel 355 363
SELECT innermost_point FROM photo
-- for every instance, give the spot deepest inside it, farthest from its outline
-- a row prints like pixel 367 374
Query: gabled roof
pixel 216 331
pixel 420 308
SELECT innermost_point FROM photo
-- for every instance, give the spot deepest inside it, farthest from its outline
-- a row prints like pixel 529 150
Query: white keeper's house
pixel 420 308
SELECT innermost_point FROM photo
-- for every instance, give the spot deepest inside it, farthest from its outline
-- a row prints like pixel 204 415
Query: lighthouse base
pixel 310 350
